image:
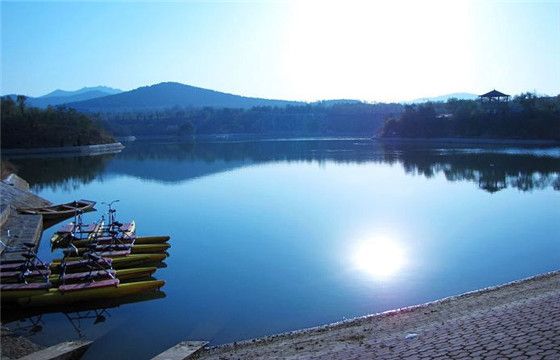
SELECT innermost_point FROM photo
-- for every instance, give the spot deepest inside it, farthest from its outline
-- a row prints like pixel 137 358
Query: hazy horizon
pixel 422 98
pixel 289 50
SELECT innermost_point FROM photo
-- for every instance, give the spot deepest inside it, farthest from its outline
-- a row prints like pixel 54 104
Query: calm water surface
pixel 278 235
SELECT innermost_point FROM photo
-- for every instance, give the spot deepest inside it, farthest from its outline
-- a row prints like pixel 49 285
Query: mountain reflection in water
pixel 491 168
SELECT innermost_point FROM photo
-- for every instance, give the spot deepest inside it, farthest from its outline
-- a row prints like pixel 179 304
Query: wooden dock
pixel 15 228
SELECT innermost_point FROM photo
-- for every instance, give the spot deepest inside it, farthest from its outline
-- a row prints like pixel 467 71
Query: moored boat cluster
pixel 102 260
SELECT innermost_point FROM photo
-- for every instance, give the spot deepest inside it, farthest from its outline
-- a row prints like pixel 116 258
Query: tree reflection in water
pixel 492 168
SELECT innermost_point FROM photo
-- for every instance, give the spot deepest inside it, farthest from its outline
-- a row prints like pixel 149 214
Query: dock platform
pixel 68 350
pixel 182 351
pixel 15 228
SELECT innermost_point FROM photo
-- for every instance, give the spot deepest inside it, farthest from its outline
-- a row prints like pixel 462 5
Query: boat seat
pixel 112 247
pixel 117 241
pixel 105 238
pixel 30 286
pixel 19 266
pixel 12 274
pixel 90 228
pixel 92 256
pixel 68 228
pixel 89 274
pixel 90 285
pixel 125 227
pixel 115 253
pixel 78 263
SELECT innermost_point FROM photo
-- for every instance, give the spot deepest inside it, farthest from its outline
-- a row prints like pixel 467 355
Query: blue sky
pixel 301 50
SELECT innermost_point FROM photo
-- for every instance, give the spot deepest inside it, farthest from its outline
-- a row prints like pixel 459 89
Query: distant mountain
pixel 444 98
pixel 60 97
pixel 171 94
pixel 105 90
pixel 43 102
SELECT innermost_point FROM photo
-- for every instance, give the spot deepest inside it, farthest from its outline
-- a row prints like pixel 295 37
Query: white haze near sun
pixel 378 50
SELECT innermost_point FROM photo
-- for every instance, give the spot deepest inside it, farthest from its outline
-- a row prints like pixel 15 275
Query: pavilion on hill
pixel 494 95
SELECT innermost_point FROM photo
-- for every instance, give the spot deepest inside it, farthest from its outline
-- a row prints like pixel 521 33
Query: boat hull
pixel 56 297
pixel 140 240
pixel 121 274
pixel 57 213
pixel 60 211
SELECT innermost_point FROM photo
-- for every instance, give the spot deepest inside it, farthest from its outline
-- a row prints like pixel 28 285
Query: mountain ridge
pixel 68 93
pixel 172 94
pixel 61 97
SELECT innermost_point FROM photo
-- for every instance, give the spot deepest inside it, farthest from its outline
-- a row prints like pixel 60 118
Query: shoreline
pixel 467 141
pixel 374 334
pixel 96 149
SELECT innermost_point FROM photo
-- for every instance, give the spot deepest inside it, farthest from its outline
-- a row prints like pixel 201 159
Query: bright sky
pixel 300 50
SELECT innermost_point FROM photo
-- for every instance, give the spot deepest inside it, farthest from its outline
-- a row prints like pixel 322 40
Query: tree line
pixel 306 120
pixel 29 127
pixel 526 116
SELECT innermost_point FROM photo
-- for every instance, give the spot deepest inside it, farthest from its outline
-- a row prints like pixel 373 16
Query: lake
pixel 270 236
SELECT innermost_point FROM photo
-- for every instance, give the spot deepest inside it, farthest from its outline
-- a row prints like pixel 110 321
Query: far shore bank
pixel 97 149
pixel 467 141
pixel 242 137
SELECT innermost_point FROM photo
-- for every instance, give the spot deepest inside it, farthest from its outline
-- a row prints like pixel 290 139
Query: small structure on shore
pixel 494 96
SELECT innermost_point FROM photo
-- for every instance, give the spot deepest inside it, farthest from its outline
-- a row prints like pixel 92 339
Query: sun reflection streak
pixel 380 258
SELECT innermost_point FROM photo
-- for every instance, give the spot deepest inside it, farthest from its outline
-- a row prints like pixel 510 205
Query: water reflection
pixel 61 172
pixel 80 317
pixel 262 247
pixel 379 258
pixel 491 168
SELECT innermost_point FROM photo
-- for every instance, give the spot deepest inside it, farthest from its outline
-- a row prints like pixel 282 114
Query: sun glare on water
pixel 380 258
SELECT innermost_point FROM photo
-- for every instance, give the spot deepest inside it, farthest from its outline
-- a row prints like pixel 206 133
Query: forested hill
pixel 526 117
pixel 29 127
pixel 306 120
pixel 171 94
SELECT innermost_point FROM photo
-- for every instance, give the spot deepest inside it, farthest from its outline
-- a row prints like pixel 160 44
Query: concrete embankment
pixel 515 320
pixel 82 150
